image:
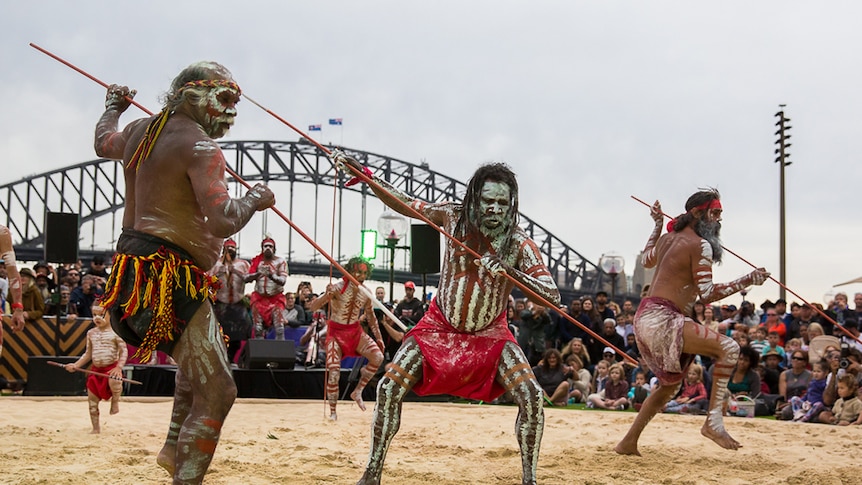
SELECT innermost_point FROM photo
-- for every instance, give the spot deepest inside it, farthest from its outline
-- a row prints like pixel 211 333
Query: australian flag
pixel 313 127
pixel 335 121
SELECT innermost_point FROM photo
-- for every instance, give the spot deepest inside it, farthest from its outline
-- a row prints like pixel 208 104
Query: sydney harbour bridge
pixel 309 191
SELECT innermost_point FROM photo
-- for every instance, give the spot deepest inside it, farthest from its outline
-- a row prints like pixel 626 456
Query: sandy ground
pixel 48 441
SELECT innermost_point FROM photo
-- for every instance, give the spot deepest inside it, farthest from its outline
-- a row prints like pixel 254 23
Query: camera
pixel 845 353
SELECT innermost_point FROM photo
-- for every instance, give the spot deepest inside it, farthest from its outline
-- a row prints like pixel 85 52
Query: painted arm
pixel 530 272
pixel 331 290
pixel 280 274
pixel 710 291
pixel 224 216
pixel 88 354
pixel 110 143
pixel 7 253
pixel 371 318
pixel 649 257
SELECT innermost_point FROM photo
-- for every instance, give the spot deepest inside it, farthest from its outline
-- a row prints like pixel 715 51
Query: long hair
pixel 704 196
pixel 468 220
pixel 199 71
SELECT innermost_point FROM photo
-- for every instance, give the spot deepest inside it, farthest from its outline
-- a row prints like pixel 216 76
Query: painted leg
pixel 516 376
pixel 257 330
pixel 725 361
pixel 93 405
pixel 651 406
pixel 333 374
pixel 116 392
pixel 202 356
pixel 367 348
pixel 401 375
pixel 278 323
pixel 167 457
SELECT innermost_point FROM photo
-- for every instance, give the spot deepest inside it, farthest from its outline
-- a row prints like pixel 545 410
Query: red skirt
pixel 346 335
pixel 459 363
pixel 98 385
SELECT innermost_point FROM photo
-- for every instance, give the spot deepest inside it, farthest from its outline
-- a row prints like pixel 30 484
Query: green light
pixel 369 244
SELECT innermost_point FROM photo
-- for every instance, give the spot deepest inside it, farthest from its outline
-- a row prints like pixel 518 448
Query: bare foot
pixel 356 395
pixel 115 407
pixel 366 480
pixel 625 448
pixel 333 416
pixel 167 458
pixel 721 438
pixel 95 431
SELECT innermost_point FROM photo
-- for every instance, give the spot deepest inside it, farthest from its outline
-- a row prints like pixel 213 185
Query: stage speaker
pixel 425 249
pixel 269 354
pixel 44 379
pixel 61 237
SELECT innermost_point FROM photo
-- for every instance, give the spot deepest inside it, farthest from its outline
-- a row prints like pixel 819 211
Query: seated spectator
pixel 758 341
pixel 744 381
pixel 576 347
pixel 773 344
pixel 31 297
pixel 598 385
pixel 809 408
pixel 793 382
pixel 579 380
pixel 792 346
pixel 772 370
pixel 692 395
pixel 551 375
pixel 639 391
pixel 847 409
pixel 616 390
pixel 43 287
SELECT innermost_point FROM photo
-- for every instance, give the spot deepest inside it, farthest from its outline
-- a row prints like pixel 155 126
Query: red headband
pixel 267 240
pixel 713 204
pixel 230 243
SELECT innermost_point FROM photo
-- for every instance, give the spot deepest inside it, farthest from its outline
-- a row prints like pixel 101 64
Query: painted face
pixel 268 249
pixel 219 110
pixel 494 205
pixel 360 272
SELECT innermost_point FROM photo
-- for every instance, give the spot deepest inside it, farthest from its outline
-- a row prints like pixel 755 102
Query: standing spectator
pixel 43 287
pixel 806 317
pixel 837 311
pixel 534 321
pixel 697 311
pixel 47 272
pixel 269 273
pixel 84 297
pixel 569 330
pixel 97 268
pixel 609 333
pixel 61 307
pixel 380 294
pixel 728 312
pixel 230 306
pixel 774 324
pixel 31 297
pixel 746 315
pixel 293 315
pixel 72 279
pixel 602 305
pixel 857 306
pixel 709 320
pixel 410 309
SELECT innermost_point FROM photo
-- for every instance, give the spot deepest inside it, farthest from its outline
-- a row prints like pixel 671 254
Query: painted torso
pixel 347 303
pixel 106 346
pixel 263 284
pixel 230 276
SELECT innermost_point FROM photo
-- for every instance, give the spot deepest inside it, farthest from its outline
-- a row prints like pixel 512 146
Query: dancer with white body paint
pixel 667 338
pixel 462 345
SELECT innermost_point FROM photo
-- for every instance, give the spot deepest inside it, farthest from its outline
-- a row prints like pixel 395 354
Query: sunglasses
pixel 797 358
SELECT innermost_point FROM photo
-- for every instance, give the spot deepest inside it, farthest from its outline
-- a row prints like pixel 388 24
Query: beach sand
pixel 48 441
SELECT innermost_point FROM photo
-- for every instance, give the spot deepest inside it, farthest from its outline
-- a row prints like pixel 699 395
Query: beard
pixel 710 231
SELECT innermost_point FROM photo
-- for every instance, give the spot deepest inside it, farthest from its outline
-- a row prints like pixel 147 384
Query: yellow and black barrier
pixel 49 335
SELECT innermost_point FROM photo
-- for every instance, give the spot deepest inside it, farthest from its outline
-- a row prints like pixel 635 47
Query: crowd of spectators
pixel 800 362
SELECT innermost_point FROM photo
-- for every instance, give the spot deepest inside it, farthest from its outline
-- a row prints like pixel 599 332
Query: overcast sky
pixel 589 102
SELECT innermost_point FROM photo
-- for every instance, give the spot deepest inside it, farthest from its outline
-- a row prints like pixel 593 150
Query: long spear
pixel 418 215
pixel 245 184
pixel 827 317
pixel 100 374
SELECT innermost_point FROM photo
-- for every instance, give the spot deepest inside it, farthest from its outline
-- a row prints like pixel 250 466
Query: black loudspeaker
pixel 269 354
pixel 425 249
pixel 44 379
pixel 61 237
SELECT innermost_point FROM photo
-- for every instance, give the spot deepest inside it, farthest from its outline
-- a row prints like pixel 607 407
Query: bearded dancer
pixel 269 273
pixel 108 353
pixel 667 338
pixel 345 336
pixel 178 212
pixel 230 309
pixel 462 345
pixel 7 254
